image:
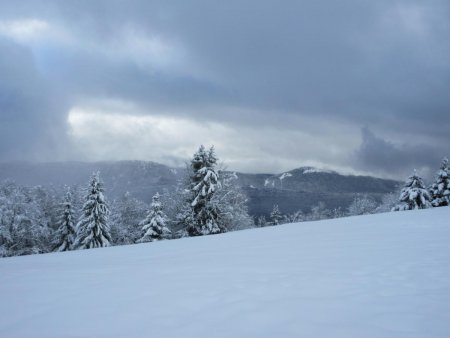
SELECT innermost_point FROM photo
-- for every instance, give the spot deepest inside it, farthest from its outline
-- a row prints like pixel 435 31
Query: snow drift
pixel 385 275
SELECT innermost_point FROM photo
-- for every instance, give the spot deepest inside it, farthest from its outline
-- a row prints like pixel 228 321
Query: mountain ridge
pixel 299 188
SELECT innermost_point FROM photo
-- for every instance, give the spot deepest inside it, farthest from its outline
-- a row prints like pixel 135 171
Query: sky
pixel 357 86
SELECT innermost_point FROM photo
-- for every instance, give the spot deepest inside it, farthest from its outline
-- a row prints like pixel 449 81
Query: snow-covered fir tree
pixel 154 226
pixel 93 229
pixel 414 195
pixel 440 189
pixel 65 235
pixel 275 216
pixel 202 215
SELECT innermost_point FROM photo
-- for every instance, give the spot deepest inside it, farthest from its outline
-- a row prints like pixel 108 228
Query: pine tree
pixel 93 229
pixel 275 216
pixel 414 195
pixel 154 226
pixel 440 189
pixel 65 234
pixel 203 218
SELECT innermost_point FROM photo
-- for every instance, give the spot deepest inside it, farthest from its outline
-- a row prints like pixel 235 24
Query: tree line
pixel 207 201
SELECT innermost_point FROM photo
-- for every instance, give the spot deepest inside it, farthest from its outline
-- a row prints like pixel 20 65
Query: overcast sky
pixel 352 85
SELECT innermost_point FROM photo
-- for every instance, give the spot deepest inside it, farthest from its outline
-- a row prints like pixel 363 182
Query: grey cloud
pixel 32 120
pixel 302 57
pixel 385 158
pixel 383 64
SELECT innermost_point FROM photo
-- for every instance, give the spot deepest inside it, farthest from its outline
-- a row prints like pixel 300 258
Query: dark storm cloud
pixel 32 125
pixel 386 158
pixel 348 57
pixel 383 64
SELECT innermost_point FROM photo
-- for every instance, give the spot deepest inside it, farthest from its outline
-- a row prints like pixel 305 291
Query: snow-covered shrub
pixel 362 205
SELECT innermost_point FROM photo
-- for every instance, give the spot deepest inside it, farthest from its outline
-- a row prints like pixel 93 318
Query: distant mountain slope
pixel 140 178
pixel 305 187
pixel 293 190
pixel 384 275
pixel 308 179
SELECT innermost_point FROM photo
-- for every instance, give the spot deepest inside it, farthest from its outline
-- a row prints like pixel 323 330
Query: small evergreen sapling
pixel 65 235
pixel 275 216
pixel 440 189
pixel 93 229
pixel 414 195
pixel 154 225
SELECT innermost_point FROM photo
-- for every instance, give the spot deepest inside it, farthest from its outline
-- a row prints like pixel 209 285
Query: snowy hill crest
pixel 383 275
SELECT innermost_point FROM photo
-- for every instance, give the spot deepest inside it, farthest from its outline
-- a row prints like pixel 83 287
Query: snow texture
pixel 269 183
pixel 312 170
pixel 285 175
pixel 385 275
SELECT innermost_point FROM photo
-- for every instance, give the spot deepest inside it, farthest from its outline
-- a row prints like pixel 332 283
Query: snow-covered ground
pixel 385 275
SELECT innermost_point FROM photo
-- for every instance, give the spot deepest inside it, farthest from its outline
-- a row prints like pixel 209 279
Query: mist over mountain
pixel 298 189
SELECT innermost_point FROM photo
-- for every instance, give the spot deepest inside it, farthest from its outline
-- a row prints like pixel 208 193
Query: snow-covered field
pixel 385 275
